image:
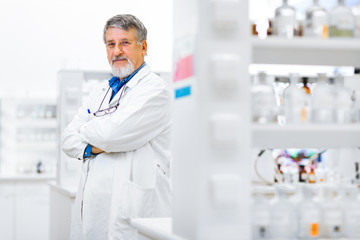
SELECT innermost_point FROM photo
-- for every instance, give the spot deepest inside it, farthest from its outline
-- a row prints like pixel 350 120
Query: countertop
pixel 155 228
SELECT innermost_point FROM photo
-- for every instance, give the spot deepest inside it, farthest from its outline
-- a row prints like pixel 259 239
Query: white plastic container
pixel 309 213
pixel 283 223
pixel 332 216
pixel 261 212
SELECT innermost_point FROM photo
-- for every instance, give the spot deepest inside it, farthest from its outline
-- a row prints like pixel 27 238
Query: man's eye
pixel 124 43
pixel 111 44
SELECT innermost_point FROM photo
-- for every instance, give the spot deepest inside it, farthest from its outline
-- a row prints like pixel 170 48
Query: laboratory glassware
pixel 285 24
pixel 261 212
pixel 309 213
pixel 342 21
pixel 356 11
pixel 342 101
pixel 351 209
pixel 332 216
pixel 316 21
pixel 322 101
pixel 295 102
pixel 283 223
pixel 263 100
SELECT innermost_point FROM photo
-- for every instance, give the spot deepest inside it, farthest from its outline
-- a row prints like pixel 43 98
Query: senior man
pixel 121 133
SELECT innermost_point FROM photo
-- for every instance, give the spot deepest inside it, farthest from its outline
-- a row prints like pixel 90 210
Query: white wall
pixel 40 37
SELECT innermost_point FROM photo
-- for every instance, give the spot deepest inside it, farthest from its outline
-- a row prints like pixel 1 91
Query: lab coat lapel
pixel 131 84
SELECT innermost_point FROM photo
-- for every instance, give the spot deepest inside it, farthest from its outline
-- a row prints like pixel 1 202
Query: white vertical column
pixel 212 124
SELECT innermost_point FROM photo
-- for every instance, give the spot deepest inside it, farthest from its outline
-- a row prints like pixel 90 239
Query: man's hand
pixel 96 150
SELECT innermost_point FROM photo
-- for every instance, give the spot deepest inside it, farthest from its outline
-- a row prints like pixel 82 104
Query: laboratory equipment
pixel 343 102
pixel 283 223
pixel 285 23
pixel 332 215
pixel 261 212
pixel 341 21
pixel 30 135
pixel 351 208
pixel 296 102
pixel 309 214
pixel 356 11
pixel 316 21
pixel 263 100
pixel 322 101
pixel 355 105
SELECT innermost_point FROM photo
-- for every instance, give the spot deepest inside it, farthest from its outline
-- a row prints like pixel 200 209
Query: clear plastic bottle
pixel 356 11
pixel 261 212
pixel 316 21
pixel 323 110
pixel 332 216
pixel 283 223
pixel 285 23
pixel 355 97
pixel 351 208
pixel 343 102
pixel 342 21
pixel 295 101
pixel 263 100
pixel 309 214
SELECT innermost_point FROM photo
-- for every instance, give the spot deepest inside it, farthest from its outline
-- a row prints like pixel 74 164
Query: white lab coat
pixel 131 179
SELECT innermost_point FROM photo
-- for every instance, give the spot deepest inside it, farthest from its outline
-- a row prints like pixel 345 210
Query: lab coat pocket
pixel 137 200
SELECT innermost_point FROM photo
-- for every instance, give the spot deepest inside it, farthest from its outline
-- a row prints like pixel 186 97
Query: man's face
pixel 121 47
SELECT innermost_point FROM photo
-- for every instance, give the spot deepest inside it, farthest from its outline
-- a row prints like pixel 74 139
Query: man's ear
pixel 144 47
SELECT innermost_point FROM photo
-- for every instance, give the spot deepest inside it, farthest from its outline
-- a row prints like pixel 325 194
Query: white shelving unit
pixel 306 51
pixel 306 136
pixel 28 136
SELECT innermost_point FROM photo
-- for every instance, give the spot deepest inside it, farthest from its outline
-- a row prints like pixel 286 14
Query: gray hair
pixel 126 22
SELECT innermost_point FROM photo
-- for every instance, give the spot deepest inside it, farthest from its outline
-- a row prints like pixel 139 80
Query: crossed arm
pixel 130 127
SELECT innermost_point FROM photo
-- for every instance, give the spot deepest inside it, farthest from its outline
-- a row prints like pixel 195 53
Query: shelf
pixel 306 136
pixel 14 123
pixel 36 146
pixel 28 177
pixel 306 51
pixel 36 123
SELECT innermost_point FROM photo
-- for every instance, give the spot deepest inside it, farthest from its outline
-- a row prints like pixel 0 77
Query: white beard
pixel 123 72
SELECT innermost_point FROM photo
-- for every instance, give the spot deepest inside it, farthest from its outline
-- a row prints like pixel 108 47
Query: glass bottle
pixel 263 100
pixel 283 214
pixel 323 110
pixel 342 101
pixel 295 101
pixel 260 212
pixel 305 82
pixel 356 11
pixel 355 97
pixel 311 176
pixel 342 21
pixel 351 207
pixel 332 217
pixel 316 21
pixel 303 176
pixel 285 23
pixel 309 214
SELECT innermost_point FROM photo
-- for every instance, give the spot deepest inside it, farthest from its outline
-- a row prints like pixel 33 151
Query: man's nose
pixel 118 50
